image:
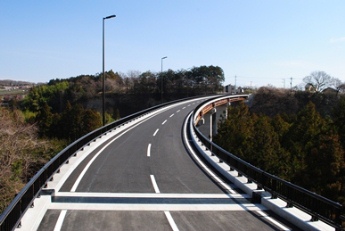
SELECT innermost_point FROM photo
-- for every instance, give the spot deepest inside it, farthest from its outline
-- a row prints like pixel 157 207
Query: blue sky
pixel 261 42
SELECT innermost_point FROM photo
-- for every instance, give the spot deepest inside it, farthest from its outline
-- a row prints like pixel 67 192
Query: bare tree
pixel 320 80
pixel 19 153
pixel 341 88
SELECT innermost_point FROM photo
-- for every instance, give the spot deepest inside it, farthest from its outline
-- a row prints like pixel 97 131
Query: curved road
pixel 144 178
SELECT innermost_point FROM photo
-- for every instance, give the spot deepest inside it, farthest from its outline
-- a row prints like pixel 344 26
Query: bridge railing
pixel 10 218
pixel 320 208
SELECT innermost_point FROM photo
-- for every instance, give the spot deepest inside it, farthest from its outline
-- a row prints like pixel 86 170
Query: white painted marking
pixel 171 221
pixel 270 219
pixel 149 150
pixel 76 183
pixel 154 134
pixel 264 215
pixel 183 108
pixel 188 105
pixel 217 179
pixel 178 111
pixel 153 195
pixel 156 207
pixel 59 222
pixel 171 115
pixel 93 159
pixel 154 183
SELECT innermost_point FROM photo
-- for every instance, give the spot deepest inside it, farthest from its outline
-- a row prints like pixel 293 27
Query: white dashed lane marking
pixel 154 134
pixel 149 150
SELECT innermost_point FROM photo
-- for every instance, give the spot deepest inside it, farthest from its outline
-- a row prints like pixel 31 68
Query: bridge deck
pixel 142 176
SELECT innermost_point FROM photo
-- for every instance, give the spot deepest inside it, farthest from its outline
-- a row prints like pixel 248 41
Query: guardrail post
pixel 314 218
pixel 289 204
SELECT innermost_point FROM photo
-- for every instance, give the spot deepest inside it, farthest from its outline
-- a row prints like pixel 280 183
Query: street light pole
pixel 162 76
pixel 103 87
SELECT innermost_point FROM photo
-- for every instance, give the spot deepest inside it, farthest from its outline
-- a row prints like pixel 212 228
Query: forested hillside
pixel 298 136
pixel 22 153
pixel 53 115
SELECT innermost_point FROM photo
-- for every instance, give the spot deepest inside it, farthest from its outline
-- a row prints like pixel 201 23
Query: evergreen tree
pixel 301 140
pixel 266 146
pixel 235 134
pixel 281 127
pixel 91 121
pixel 339 119
pixel 44 120
pixel 325 162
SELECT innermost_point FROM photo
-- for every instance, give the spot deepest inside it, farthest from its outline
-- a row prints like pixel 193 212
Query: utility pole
pixel 283 83
pixel 290 82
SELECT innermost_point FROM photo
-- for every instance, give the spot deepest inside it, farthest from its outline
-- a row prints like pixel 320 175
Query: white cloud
pixel 337 40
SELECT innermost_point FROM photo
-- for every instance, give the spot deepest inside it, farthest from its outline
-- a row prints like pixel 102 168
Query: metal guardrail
pixel 320 208
pixel 10 218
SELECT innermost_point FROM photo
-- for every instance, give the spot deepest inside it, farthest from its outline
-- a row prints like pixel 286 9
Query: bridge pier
pixel 226 110
pixel 213 126
pixel 213 123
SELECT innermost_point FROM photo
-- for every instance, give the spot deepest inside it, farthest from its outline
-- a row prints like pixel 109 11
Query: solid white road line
pixel 154 183
pixel 154 134
pixel 264 215
pixel 153 195
pixel 155 207
pixel 270 219
pixel 149 150
pixel 171 221
pixel 167 213
pixel 209 172
pixel 60 220
pixel 76 183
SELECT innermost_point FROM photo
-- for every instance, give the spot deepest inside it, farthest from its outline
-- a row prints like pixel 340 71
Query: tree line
pixel 306 148
pixel 52 115
pixel 50 106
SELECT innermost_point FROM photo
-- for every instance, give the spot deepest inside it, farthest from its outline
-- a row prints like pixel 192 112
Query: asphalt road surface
pixel 144 178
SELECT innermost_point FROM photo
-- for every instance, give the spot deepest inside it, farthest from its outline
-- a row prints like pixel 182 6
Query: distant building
pixel 330 90
pixel 232 89
pixel 309 87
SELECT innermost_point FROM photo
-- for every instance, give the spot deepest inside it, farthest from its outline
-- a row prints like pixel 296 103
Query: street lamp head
pixel 111 16
pixel 164 57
